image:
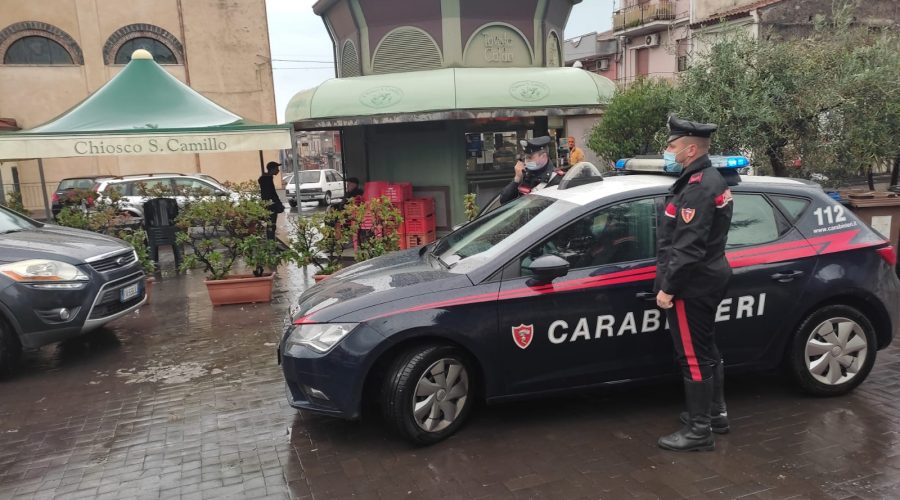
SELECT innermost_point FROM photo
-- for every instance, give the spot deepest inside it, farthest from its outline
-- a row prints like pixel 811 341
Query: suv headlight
pixel 45 273
pixel 320 337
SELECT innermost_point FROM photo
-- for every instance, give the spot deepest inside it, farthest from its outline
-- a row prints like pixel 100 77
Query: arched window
pixel 36 50
pixel 35 42
pixel 165 48
pixel 161 53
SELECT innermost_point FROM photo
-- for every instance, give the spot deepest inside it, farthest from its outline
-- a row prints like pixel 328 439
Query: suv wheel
pixel 292 203
pixel 326 201
pixel 833 351
pixel 10 349
pixel 426 395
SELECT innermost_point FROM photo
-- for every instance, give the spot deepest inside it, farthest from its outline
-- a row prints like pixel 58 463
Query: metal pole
pixel 2 189
pixel 48 215
pixel 262 165
pixel 295 166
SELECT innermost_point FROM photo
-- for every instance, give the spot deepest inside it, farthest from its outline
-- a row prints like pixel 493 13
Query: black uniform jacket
pixel 514 189
pixel 691 234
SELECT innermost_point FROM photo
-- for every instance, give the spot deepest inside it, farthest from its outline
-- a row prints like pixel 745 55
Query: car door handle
pixel 787 276
pixel 646 295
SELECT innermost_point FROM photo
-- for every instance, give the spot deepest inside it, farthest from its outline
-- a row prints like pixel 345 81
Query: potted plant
pixel 377 224
pixel 319 241
pixel 220 233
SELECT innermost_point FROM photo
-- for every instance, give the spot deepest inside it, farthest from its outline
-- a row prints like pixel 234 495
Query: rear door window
pixel 754 221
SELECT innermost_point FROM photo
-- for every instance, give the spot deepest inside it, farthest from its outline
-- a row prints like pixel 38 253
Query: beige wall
pixel 226 45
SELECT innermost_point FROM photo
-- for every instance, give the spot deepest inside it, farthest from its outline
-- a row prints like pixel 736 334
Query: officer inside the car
pixel 533 171
pixel 692 276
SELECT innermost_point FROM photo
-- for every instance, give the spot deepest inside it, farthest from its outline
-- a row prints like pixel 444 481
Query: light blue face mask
pixel 671 165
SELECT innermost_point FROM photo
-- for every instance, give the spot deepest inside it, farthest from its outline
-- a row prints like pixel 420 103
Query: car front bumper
pixel 35 313
pixel 330 383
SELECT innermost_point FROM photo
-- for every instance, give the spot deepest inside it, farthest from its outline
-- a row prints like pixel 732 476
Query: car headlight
pixel 320 337
pixel 45 273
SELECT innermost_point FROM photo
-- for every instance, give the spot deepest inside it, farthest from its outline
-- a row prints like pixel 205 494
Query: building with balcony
pixel 654 37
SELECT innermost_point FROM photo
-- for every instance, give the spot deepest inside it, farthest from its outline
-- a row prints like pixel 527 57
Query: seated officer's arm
pixel 693 223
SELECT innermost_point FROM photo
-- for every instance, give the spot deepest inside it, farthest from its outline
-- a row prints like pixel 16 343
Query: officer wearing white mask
pixel 535 170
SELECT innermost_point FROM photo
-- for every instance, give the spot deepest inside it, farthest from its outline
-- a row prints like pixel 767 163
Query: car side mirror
pixel 547 268
pixel 221 193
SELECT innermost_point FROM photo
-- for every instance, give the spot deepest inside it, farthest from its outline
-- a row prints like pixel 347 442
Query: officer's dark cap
pixel 532 146
pixel 684 128
pixel 272 166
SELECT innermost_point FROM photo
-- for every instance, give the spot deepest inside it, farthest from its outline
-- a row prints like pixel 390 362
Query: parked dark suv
pixel 57 283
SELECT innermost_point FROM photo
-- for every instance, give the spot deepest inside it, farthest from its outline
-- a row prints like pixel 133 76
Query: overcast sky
pixel 302 52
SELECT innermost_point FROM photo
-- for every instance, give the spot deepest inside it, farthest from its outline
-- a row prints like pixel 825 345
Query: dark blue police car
pixel 554 292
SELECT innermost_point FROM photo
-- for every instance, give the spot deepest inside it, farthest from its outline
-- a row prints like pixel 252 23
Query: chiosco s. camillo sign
pixel 149 145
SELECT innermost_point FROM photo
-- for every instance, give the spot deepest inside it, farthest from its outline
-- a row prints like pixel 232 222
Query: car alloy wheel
pixel 836 351
pixel 441 394
pixel 833 350
pixel 428 392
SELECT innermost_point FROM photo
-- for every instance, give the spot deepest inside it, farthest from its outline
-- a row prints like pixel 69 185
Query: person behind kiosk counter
pixel 576 155
pixel 534 170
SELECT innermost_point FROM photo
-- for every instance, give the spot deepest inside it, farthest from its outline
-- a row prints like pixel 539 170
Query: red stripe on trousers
pixel 686 341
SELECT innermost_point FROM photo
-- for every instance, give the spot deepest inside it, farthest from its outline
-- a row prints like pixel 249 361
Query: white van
pixel 316 185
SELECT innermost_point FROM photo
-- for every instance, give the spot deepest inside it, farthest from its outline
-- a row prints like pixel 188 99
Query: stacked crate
pixel 418 219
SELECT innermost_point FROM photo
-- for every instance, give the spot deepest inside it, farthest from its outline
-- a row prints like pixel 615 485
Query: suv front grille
pixel 115 262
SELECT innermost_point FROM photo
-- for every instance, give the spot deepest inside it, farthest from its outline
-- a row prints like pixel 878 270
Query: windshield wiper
pixel 17 230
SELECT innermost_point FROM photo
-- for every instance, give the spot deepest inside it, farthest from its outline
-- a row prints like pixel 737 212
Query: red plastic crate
pixel 399 192
pixel 375 189
pixel 418 207
pixel 421 224
pixel 414 240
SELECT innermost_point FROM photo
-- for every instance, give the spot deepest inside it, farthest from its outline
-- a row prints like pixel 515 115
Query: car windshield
pixel 10 222
pixel 497 231
pixel 309 177
pixel 75 184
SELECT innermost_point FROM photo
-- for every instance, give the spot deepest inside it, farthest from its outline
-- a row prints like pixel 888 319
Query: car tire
pixel 437 379
pixel 292 203
pixel 833 351
pixel 326 201
pixel 10 348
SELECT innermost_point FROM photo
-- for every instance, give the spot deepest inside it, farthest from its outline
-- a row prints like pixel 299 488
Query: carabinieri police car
pixel 554 292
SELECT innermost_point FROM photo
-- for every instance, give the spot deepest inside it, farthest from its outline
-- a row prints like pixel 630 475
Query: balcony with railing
pixel 643 18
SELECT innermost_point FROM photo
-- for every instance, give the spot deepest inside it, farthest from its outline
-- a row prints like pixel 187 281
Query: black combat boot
pixel 696 434
pixel 718 413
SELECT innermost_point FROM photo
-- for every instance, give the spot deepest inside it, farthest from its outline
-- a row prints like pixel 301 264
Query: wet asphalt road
pixel 181 400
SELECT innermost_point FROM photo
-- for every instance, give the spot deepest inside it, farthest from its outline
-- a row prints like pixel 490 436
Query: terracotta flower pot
pixel 240 289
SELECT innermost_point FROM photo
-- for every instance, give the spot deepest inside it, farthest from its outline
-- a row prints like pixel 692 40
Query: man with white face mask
pixel 692 275
pixel 532 172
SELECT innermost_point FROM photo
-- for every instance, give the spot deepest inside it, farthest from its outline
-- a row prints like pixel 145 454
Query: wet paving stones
pixel 183 400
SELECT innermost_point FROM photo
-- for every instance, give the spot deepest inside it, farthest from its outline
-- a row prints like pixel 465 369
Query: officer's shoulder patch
pixel 696 178
pixel 687 215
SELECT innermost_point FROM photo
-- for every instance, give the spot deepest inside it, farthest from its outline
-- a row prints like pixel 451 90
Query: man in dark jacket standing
pixel 692 276
pixel 268 194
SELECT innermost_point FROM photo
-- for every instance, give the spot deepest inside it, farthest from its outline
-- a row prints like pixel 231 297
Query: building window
pixel 165 48
pixel 681 52
pixel 160 52
pixel 34 42
pixel 36 50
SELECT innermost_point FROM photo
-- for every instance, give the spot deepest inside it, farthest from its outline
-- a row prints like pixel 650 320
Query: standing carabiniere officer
pixel 692 276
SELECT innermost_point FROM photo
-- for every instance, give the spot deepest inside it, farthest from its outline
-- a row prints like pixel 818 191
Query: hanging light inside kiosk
pixel 656 163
